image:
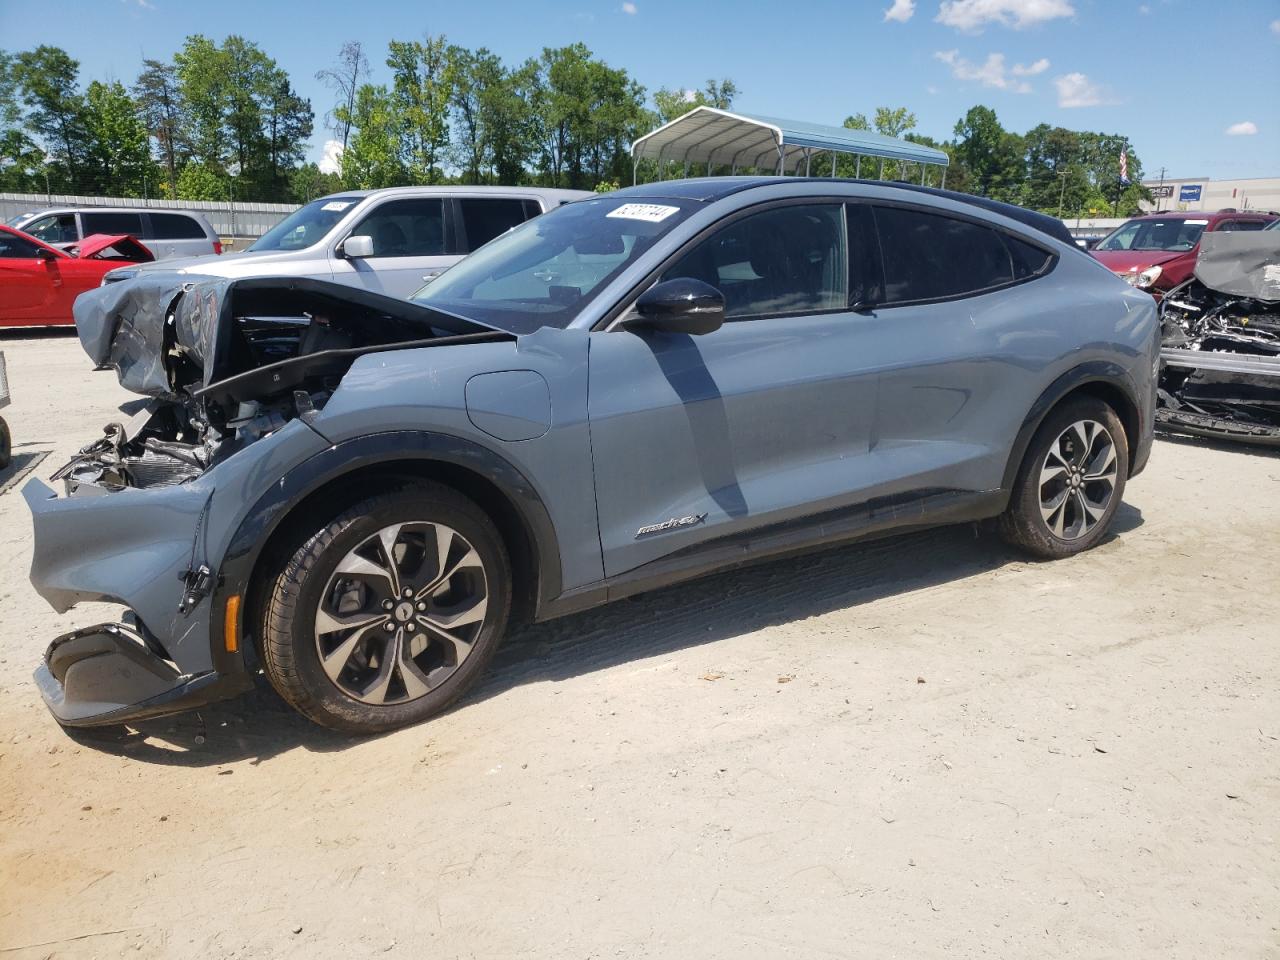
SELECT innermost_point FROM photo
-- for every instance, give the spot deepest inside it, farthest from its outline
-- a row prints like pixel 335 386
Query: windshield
pixel 544 272
pixel 14 221
pixel 306 225
pixel 1273 225
pixel 1172 235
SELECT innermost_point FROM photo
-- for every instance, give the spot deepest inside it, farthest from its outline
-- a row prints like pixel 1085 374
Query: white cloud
pixel 1245 128
pixel 992 71
pixel 689 95
pixel 1021 70
pixel 902 10
pixel 1275 27
pixel 331 158
pixel 629 8
pixel 1077 90
pixel 1143 9
pixel 971 16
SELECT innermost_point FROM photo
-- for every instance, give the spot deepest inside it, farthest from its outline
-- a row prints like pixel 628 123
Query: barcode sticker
pixel 337 205
pixel 651 212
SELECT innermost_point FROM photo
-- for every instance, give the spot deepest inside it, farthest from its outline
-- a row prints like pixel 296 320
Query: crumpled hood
pixel 1135 261
pixel 1241 264
pixel 123 325
pixel 169 333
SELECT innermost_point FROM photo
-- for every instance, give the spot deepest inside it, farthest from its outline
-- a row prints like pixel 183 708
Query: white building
pixel 1202 195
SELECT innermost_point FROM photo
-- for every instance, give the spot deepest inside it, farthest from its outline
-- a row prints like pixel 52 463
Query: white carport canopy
pixel 714 137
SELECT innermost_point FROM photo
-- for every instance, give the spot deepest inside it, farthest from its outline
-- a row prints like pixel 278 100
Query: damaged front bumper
pixel 157 552
pixel 108 674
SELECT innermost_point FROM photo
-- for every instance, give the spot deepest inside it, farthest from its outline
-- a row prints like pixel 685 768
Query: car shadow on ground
pixel 260 725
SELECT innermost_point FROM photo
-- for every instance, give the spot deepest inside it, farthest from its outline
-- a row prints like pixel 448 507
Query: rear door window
pixel 413 227
pixel 483 218
pixel 933 257
pixel 174 226
pixel 112 223
pixel 787 260
pixel 55 228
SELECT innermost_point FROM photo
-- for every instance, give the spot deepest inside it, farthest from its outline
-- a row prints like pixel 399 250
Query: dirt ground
pixel 922 747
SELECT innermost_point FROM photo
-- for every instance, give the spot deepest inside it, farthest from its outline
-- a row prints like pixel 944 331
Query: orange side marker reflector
pixel 230 635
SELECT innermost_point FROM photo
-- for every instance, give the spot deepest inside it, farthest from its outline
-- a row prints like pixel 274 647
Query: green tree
pixel 199 181
pixel 993 157
pixel 21 159
pixel 343 78
pixel 117 147
pixel 671 104
pixel 203 86
pixel 307 182
pixel 47 81
pixel 373 155
pixel 474 75
pixel 160 105
pixel 422 86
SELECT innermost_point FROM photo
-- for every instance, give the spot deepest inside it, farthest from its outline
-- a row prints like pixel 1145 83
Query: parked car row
pixel 166 233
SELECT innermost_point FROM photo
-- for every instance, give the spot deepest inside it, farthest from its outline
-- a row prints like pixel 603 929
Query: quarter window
pixel 112 223
pixel 405 228
pixel 932 257
pixel 485 219
pixel 55 228
pixel 175 226
pixel 788 260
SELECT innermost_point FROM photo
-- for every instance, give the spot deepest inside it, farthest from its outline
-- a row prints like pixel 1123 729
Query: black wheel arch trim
pixel 343 459
pixel 1105 372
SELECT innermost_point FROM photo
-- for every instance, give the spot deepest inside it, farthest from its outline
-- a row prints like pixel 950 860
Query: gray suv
pixel 166 233
pixel 359 496
pixel 390 241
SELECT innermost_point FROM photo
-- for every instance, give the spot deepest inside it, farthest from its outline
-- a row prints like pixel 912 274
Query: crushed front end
pixel 1220 353
pixel 234 372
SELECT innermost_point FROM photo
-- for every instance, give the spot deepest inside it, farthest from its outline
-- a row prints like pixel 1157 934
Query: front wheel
pixel 1070 482
pixel 388 613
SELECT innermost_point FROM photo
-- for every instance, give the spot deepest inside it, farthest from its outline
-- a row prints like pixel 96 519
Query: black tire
pixel 6 444
pixel 1022 524
pixel 290 655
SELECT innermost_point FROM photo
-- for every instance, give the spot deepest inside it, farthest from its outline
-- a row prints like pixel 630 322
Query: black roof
pixel 708 189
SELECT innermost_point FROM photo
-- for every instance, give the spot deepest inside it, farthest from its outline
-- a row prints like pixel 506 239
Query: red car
pixel 38 284
pixel 1158 251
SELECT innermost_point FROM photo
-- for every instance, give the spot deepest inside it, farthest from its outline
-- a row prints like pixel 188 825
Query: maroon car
pixel 1158 251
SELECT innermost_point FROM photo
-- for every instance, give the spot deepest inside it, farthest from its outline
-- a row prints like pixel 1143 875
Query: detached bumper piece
pixel 107 674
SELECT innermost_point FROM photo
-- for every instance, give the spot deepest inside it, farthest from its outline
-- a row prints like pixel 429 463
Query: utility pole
pixel 1062 192
pixel 1160 192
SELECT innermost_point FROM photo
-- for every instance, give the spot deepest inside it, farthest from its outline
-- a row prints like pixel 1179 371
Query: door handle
pixel 428 277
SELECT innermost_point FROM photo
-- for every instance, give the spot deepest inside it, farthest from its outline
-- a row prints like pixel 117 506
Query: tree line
pixel 223 121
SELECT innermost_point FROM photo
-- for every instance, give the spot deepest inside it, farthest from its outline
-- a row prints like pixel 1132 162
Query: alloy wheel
pixel 401 612
pixel 1078 479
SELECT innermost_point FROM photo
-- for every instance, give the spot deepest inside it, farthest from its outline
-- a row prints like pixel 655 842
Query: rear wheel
pixel 1070 482
pixel 388 613
pixel 6 444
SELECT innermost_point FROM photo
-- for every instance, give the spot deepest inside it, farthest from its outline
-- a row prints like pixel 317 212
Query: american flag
pixel 1124 165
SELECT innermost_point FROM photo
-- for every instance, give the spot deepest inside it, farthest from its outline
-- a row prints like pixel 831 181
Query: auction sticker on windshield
pixel 336 205
pixel 652 212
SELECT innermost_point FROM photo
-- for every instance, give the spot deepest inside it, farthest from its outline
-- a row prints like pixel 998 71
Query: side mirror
pixel 682 305
pixel 43 253
pixel 357 247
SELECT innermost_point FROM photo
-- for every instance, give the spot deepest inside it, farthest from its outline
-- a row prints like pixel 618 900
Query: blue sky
pixel 1174 75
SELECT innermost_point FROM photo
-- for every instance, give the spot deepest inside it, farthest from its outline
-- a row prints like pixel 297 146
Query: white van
pixel 389 241
pixel 166 233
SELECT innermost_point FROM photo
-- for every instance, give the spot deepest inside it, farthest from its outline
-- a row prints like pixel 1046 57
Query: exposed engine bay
pixel 1220 353
pixel 227 362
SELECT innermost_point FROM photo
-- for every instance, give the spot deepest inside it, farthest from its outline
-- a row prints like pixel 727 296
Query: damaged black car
pixel 1220 354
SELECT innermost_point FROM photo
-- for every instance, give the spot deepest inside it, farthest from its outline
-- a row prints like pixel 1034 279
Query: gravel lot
pixel 922 747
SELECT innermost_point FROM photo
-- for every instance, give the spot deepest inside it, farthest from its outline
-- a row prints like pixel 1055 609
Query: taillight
pixel 217 247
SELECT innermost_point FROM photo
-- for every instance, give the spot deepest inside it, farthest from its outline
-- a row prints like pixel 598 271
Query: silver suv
pixel 166 233
pixel 390 241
